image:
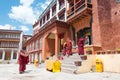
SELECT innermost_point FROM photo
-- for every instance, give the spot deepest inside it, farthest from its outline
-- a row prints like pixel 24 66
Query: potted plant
pixel 83 57
pixel 103 52
pixel 108 51
pixel 118 50
pixel 77 63
pixel 89 51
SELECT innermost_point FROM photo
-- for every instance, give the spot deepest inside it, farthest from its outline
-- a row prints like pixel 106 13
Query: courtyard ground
pixel 10 72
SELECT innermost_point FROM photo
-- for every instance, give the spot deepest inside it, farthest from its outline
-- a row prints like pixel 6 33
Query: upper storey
pixel 13 35
pixel 10 38
pixel 56 10
pixel 77 9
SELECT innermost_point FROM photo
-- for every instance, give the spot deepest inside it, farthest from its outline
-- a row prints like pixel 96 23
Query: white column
pixel 3 55
pixel 66 10
pixel 50 13
pixel 12 55
pixel 20 43
pixel 57 9
pixel 45 18
pixel 36 55
pixel 57 6
pixel 32 57
pixel 17 55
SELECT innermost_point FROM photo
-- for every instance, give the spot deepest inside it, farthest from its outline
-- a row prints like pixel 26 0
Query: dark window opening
pixel 15 55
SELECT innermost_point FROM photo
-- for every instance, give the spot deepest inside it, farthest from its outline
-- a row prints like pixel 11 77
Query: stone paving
pixel 10 72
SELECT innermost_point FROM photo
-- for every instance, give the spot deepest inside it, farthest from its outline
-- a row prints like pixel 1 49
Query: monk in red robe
pixel 23 59
pixel 64 49
pixel 69 47
pixel 81 46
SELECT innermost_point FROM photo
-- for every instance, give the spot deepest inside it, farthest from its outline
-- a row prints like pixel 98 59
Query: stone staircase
pixel 77 63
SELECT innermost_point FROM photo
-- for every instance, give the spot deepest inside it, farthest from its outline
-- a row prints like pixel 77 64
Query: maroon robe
pixel 81 46
pixel 64 49
pixel 69 47
pixel 22 60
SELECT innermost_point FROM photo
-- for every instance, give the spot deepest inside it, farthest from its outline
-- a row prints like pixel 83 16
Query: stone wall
pixel 111 62
pixel 115 17
pixel 102 27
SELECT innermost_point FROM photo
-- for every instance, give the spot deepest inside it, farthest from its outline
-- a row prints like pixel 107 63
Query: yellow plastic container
pixel 49 64
pixel 57 66
pixel 36 62
pixel 53 65
pixel 99 65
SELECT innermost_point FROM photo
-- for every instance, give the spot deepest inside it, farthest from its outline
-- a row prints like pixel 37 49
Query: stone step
pixel 68 62
pixel 68 66
pixel 72 63
pixel 71 60
pixel 68 70
pixel 76 57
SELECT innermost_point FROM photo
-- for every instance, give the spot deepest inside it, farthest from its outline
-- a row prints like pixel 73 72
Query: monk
pixel 64 49
pixel 69 47
pixel 23 59
pixel 81 46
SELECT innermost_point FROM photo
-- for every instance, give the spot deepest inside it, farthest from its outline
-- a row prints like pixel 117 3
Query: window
pixel 62 16
pixel 117 0
pixel 54 10
pixel 62 4
pixel 36 44
pixel 0 55
pixel 41 43
pixel 48 15
pixel 14 55
pixel 7 55
pixel 43 19
pixel 40 22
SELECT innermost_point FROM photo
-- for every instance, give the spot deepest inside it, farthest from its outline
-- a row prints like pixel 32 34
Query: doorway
pixel 85 32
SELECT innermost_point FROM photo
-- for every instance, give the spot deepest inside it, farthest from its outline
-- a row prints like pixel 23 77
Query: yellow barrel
pixel 57 66
pixel 99 65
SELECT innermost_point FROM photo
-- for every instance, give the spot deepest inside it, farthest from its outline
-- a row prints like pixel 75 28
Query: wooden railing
pixel 78 7
pixel 48 23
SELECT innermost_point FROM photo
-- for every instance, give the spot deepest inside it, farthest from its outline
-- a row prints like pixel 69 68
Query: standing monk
pixel 22 60
pixel 64 49
pixel 69 47
pixel 81 46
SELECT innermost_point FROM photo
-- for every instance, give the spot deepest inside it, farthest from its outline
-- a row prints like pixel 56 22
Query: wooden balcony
pixel 8 46
pixel 10 39
pixel 79 9
pixel 48 23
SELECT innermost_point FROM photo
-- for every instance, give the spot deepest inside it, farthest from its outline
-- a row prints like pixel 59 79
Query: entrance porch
pixel 54 36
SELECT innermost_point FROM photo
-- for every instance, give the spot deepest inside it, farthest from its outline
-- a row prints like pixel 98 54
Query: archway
pixel 50 45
